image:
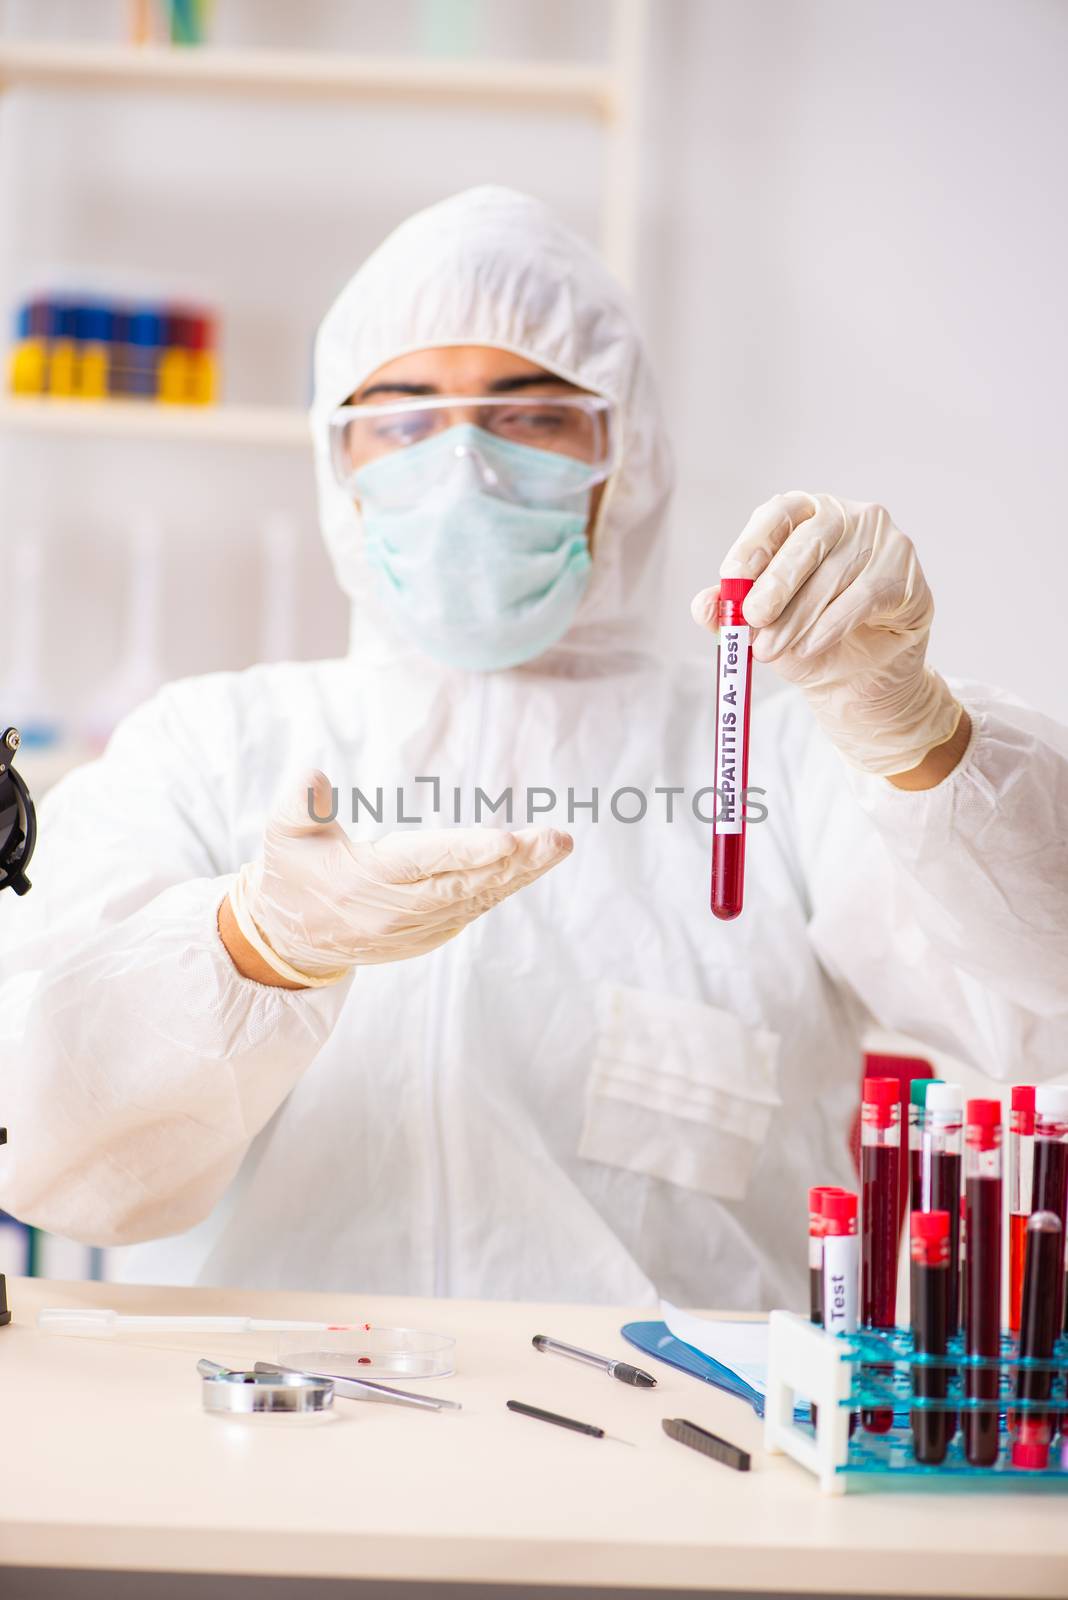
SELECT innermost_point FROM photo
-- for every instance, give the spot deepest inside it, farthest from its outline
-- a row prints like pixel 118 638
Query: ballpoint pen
pixel 615 1369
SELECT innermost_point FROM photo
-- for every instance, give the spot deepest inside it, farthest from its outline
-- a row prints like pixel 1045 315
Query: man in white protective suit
pixel 246 1040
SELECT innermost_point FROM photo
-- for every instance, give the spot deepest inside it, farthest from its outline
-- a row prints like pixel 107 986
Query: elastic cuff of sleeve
pixel 277 963
pixel 902 744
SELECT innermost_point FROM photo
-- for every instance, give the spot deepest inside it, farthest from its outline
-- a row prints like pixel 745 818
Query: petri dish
pixel 259 1398
pixel 370 1352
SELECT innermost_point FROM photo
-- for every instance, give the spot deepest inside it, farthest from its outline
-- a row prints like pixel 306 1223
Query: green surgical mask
pixel 477 581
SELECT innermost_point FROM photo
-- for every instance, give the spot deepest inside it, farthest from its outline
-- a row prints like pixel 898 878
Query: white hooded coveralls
pixel 596 1088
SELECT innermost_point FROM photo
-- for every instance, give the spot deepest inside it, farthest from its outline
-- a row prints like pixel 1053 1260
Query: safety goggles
pixel 580 429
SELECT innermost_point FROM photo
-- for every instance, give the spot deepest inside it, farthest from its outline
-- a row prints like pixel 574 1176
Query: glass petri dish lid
pixel 369 1353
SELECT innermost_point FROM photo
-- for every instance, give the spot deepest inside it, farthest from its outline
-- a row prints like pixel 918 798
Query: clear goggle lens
pixel 579 428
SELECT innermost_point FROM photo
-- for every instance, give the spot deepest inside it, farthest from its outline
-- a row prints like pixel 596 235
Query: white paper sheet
pixel 741 1346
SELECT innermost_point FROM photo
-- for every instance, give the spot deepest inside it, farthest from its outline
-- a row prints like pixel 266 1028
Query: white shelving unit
pixel 564 86
pixel 146 419
pixel 607 93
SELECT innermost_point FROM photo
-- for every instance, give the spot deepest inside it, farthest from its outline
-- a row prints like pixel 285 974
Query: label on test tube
pixel 730 731
pixel 841 1262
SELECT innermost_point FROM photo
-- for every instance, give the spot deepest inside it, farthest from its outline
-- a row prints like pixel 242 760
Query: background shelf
pixel 221 424
pixel 565 86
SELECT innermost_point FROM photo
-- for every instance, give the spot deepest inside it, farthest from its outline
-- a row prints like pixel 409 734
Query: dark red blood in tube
pixel 1039 1325
pixel 734 672
pixel 931 1426
pixel 880 1168
pixel 982 1287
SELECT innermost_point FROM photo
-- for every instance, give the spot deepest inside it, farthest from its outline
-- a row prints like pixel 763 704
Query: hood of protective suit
pixel 494 267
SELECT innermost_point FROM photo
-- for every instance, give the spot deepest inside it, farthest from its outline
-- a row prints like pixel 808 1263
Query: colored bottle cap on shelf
pixel 42 315
pixel 146 328
pixel 200 331
pixel 735 588
pixel 918 1088
pixel 1051 1100
pixel 65 319
pixel 93 323
pixel 175 330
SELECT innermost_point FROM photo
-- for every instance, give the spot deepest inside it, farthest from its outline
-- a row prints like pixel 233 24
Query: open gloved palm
pixel 317 903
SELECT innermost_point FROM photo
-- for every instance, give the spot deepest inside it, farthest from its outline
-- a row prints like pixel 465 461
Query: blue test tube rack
pixel 872 1369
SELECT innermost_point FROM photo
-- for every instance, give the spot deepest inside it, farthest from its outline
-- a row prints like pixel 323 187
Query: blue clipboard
pixel 653 1339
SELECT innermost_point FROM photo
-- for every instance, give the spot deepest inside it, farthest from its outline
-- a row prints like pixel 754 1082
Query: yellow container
pixel 28 367
pixel 91 373
pixel 63 368
pixel 204 382
pixel 174 377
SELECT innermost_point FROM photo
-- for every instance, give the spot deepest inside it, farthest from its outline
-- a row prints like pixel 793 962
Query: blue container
pixel 146 333
pixel 94 322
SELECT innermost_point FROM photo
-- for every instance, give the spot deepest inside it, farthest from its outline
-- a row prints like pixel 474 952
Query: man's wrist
pixel 939 762
pixel 247 960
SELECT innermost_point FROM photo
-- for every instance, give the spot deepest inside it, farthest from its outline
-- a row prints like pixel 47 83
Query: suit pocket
pixel 679 1091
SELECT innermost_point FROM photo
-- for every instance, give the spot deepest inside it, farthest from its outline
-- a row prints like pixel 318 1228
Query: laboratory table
pixel 114 1482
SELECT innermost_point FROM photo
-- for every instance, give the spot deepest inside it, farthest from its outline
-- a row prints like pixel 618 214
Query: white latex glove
pixel 844 611
pixel 318 904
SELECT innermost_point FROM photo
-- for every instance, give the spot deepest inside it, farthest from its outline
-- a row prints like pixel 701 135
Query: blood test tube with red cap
pixel 734 663
pixel 1021 1185
pixel 941 1164
pixel 815 1258
pixel 816 1230
pixel 840 1260
pixel 933 1425
pixel 1049 1190
pixel 880 1167
pixel 1039 1325
pixel 982 1283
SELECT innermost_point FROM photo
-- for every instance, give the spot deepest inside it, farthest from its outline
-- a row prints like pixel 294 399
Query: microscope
pixel 18 835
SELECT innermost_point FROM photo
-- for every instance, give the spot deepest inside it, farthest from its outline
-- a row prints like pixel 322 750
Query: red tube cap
pixel 735 588
pixel 984 1113
pixel 1030 1448
pixel 930 1226
pixel 882 1092
pixel 982 1119
pixel 1023 1097
pixel 839 1210
pixel 880 1096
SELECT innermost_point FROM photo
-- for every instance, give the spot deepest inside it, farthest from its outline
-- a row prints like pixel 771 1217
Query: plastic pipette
pixel 94 1323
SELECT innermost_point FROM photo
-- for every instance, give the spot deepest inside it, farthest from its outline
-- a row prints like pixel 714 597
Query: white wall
pixel 854 278
pixel 851 273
